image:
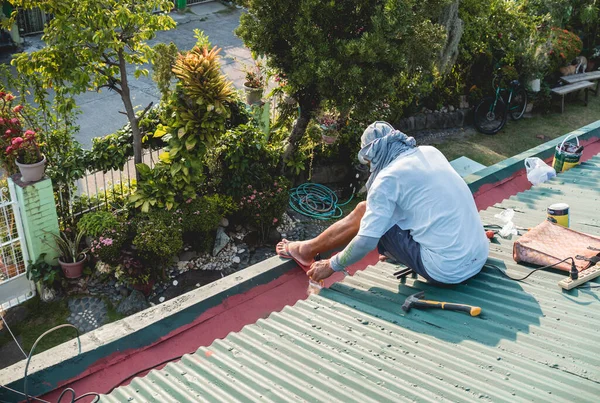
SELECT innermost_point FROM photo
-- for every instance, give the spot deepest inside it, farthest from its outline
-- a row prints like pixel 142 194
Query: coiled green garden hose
pixel 316 201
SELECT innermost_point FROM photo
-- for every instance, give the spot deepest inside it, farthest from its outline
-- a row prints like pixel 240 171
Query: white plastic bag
pixel 509 229
pixel 538 171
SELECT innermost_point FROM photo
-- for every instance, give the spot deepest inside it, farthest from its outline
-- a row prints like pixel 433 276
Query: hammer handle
pixel 425 304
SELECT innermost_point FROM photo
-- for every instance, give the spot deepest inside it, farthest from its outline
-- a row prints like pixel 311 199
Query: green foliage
pixel 112 151
pixel 565 46
pixel 264 209
pixel 69 243
pixel 204 214
pixel 90 43
pixel 107 247
pixel 197 111
pixel 97 222
pixel 43 272
pixel 158 237
pixel 162 64
pixel 348 53
pixel 242 157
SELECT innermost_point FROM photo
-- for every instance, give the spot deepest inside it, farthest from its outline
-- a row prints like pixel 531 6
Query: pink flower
pixel 275 220
pixel 275 184
pixel 249 186
pixel 18 108
pixel 17 141
pixel 8 132
pixel 258 215
pixel 188 201
pixel 15 121
pixel 254 192
pixel 9 149
pixel 252 197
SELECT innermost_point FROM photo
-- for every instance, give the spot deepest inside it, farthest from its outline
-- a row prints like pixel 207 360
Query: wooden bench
pixel 591 76
pixel 567 89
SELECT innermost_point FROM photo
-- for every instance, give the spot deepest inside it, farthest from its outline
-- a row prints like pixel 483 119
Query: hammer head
pixel 411 300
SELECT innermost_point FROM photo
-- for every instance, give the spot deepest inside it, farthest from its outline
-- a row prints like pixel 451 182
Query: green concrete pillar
pixel 38 215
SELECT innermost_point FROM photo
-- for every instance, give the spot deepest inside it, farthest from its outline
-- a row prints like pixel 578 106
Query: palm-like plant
pixel 68 244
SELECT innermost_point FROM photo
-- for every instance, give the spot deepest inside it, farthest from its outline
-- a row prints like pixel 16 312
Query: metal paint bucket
pixel 559 214
pixel 567 155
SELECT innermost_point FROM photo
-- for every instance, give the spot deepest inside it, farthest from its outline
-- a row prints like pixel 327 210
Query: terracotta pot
pixel 32 172
pixel 145 289
pixel 253 95
pixel 72 270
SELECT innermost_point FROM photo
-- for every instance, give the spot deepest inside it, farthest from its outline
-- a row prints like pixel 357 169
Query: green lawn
pixel 519 136
pixel 40 318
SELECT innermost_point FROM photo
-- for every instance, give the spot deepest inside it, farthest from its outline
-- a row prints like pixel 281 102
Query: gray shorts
pixel 400 245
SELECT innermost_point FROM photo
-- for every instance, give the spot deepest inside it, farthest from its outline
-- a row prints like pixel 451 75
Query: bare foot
pixel 383 258
pixel 299 251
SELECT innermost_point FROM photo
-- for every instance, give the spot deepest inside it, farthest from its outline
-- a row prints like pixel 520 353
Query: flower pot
pixel 529 107
pixel 72 270
pixel 32 172
pixel 253 95
pixel 145 289
pixel 329 140
pixel 534 85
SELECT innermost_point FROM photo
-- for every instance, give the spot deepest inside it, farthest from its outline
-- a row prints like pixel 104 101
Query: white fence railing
pixel 14 287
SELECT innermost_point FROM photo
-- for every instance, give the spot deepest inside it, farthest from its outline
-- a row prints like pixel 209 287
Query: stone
pixel 451 108
pixel 123 291
pixel 236 259
pixel 420 122
pixel 187 256
pixel 273 237
pixel 175 282
pixel 134 303
pixel 161 299
pixel 224 222
pixel 221 240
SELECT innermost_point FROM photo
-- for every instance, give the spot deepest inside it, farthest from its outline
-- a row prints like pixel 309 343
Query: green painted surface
pixel 40 220
pixel 510 166
pixel 353 342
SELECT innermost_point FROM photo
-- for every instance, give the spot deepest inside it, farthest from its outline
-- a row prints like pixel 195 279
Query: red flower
pixel 9 149
pixel 17 141
pixel 18 108
pixel 15 121
pixel 9 97
pixel 8 132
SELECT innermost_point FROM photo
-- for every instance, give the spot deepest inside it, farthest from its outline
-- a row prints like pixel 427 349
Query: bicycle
pixel 491 112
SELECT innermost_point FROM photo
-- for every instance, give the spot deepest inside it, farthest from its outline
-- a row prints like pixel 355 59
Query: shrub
pixel 263 209
pixel 241 158
pixel 97 222
pixel 565 46
pixel 204 214
pixel 158 237
pixel 108 246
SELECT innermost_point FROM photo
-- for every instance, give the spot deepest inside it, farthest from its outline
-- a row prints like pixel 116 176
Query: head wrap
pixel 380 145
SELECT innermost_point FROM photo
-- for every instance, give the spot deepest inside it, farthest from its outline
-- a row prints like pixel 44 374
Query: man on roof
pixel 419 212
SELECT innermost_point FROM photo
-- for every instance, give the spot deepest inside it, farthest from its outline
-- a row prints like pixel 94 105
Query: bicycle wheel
pixel 490 115
pixel 518 104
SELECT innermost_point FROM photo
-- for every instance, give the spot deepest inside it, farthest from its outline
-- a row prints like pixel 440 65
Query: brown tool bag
pixel 550 243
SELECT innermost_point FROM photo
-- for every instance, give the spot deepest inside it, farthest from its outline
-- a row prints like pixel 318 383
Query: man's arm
pixel 354 252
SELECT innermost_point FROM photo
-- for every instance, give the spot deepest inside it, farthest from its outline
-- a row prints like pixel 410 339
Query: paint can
pixel 567 155
pixel 559 214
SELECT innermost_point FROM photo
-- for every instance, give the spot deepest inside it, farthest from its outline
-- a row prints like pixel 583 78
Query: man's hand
pixel 320 270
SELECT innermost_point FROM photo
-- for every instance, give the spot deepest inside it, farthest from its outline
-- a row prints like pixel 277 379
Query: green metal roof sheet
pixel 532 342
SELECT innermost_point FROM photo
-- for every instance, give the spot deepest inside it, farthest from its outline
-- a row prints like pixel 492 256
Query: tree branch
pixel 144 111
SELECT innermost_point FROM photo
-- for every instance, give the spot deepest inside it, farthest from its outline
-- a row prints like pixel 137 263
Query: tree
pixel 90 45
pixel 345 52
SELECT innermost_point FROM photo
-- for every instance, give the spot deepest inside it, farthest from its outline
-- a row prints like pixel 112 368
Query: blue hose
pixel 316 201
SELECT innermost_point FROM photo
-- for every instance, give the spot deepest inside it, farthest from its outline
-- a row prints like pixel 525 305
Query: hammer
pixel 415 301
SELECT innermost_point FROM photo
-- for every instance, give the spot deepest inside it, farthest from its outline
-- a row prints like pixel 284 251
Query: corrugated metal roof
pixel 353 342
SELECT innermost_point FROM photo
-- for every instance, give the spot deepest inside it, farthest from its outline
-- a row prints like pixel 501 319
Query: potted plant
pixel 72 256
pixel 255 82
pixel 20 146
pixel 534 64
pixel 44 275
